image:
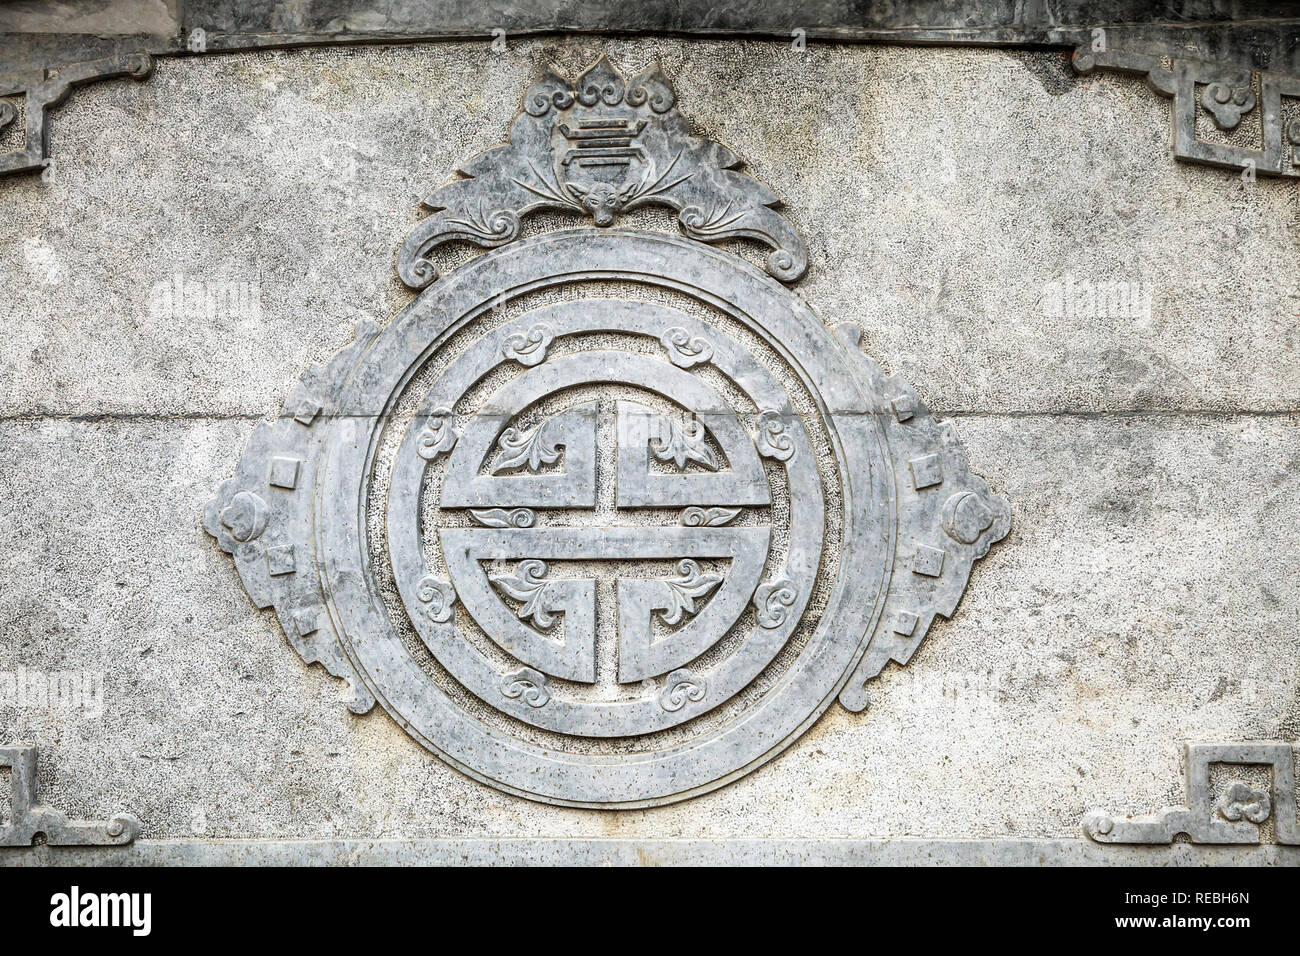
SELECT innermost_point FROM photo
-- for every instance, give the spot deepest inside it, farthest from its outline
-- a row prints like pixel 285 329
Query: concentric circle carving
pixel 605 518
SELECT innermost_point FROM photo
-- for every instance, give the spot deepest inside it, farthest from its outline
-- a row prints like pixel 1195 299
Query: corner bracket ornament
pixel 600 146
pixel 606 517
pixel 1222 116
pixel 43 90
pixel 1234 812
pixel 30 818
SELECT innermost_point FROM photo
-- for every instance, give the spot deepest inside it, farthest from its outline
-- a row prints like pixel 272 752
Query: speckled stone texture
pixel 1149 590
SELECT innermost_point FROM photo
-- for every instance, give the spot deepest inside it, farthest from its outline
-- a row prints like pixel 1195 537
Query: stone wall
pixel 1147 594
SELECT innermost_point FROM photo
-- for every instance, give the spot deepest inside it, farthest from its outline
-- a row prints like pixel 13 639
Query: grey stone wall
pixel 1149 590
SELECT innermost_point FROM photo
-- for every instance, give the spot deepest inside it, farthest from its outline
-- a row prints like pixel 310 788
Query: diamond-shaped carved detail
pixel 905 623
pixel 926 471
pixel 284 472
pixel 281 560
pixel 904 407
pixel 928 560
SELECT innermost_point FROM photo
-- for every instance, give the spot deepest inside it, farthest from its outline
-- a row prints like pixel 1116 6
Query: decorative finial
pixel 599 147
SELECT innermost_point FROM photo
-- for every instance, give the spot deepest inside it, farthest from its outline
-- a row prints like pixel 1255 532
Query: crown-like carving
pixel 599 147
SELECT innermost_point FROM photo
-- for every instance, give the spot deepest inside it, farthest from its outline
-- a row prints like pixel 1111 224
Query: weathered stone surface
pixel 652 852
pixel 937 216
pixel 1245 35
pixel 28 820
pixel 1139 601
pixel 1146 595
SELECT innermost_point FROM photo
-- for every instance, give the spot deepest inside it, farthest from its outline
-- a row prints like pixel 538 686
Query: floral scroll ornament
pixel 774 440
pixel 683 591
pixel 438 599
pixel 680 443
pixel 527 685
pixel 680 687
pixel 525 448
pixel 529 586
pixel 1227 104
pixel 600 146
pixel 528 348
pixel 439 434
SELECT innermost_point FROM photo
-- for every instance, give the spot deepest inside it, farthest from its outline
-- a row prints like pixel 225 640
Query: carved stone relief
pixel 43 90
pixel 1222 116
pixel 1225 114
pixel 606 517
pixel 29 820
pixel 600 146
pixel 1232 813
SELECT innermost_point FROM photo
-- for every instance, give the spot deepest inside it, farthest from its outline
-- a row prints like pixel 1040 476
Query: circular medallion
pixel 618 529
pixel 604 518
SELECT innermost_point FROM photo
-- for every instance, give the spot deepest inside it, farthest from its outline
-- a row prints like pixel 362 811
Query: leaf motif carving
pixel 685 590
pixel 529 587
pixel 500 518
pixel 680 443
pixel 525 448
pixel 694 517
